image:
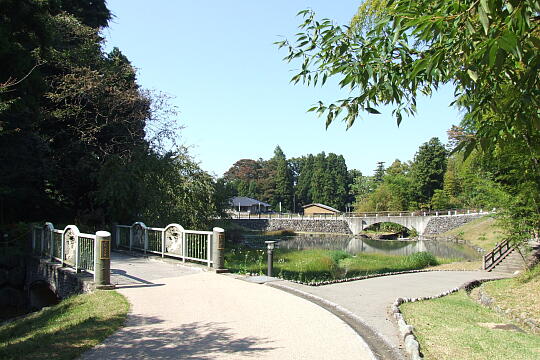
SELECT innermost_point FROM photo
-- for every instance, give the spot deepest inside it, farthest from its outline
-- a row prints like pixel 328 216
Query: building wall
pixel 316 210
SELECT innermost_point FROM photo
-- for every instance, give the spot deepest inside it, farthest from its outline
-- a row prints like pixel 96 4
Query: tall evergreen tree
pixel 428 169
pixel 283 181
pixel 379 172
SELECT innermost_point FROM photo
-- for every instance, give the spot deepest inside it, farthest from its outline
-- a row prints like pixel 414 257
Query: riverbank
pixel 317 265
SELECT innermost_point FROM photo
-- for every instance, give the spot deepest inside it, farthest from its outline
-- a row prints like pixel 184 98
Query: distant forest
pixel 434 179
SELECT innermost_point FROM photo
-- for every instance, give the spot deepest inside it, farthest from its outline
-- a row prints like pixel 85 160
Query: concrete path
pixel 371 299
pixel 184 313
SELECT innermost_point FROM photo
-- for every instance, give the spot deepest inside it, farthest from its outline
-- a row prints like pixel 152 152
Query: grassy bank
pixel 322 265
pixel 521 294
pixel 482 232
pixel 456 327
pixel 66 330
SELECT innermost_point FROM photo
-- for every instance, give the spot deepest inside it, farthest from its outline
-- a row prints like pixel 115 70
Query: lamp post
pixel 270 246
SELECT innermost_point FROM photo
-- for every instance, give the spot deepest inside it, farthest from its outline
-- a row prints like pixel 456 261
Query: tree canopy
pixel 396 50
pixel 80 140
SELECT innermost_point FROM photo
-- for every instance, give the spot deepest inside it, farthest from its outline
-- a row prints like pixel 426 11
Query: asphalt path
pixel 180 312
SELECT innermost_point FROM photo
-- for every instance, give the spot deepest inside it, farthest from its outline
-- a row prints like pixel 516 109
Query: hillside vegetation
pixel 483 232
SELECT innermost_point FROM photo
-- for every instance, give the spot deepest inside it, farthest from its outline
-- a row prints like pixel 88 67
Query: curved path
pixel 370 299
pixel 180 312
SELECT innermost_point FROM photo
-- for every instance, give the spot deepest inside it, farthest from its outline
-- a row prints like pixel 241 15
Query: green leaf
pixel 419 66
pixel 371 110
pixel 493 54
pixel 399 118
pixel 535 41
pixel 508 41
pixel 485 6
pixel 329 119
pixel 483 19
pixel 473 75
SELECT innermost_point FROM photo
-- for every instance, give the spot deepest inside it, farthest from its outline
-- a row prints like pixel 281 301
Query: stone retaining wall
pixel 441 224
pixel 302 225
pixel 62 280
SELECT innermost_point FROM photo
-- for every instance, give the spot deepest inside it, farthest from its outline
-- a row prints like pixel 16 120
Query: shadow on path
pixel 197 340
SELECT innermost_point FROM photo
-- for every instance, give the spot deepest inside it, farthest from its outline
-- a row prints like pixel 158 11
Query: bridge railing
pixel 247 215
pixel 172 240
pixel 452 212
pixel 69 246
pixel 341 216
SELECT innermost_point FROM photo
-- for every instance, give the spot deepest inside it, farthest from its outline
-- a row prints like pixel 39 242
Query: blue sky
pixel 217 59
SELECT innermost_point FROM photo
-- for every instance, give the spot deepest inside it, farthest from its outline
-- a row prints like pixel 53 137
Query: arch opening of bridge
pixel 391 230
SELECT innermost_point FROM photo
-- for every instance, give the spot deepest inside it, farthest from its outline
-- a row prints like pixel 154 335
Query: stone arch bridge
pixel 423 223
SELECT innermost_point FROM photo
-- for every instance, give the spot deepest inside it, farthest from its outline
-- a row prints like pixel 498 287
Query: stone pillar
pixel 102 260
pixel 218 251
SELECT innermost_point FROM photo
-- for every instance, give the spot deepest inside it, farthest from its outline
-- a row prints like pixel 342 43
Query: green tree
pixel 427 170
pixel 396 50
pixel 303 189
pixel 379 172
pixel 69 112
pixel 362 187
pixel 283 192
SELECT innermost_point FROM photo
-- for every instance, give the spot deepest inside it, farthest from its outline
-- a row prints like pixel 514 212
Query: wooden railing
pixel 495 256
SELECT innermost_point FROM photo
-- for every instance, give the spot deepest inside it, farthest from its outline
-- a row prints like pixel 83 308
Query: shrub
pixel 421 259
pixel 338 255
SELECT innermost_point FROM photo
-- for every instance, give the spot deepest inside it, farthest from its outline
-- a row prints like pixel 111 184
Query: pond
pixel 355 245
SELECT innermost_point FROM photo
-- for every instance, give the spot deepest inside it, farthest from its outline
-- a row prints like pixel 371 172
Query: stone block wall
pixel 441 224
pixel 62 280
pixel 301 225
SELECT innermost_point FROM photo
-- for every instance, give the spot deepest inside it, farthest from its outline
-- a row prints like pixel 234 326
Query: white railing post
pixel 208 249
pixel 77 252
pixel 63 249
pixel 42 241
pixel 163 243
pixel 117 237
pixel 130 237
pixel 183 246
pixel 96 250
pixel 145 239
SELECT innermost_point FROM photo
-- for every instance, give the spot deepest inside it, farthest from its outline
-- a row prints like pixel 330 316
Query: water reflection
pixel 359 244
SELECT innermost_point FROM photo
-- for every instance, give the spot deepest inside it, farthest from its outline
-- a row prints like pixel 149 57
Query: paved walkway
pixel 371 299
pixel 179 312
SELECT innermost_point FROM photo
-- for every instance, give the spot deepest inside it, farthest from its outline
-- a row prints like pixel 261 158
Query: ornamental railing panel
pixel 69 246
pixel 172 241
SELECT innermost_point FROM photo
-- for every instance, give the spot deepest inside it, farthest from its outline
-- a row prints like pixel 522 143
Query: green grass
pixel 482 232
pixel 520 294
pixel 66 330
pixel 321 265
pixel 449 328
